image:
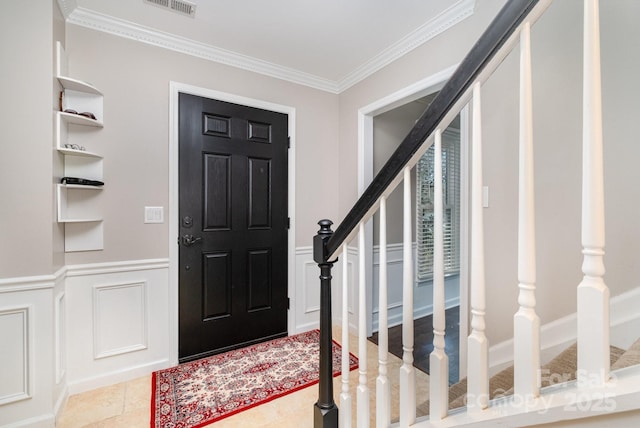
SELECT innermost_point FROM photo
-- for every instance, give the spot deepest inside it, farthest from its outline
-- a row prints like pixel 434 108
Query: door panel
pixel 259 193
pixel 233 226
pixel 216 286
pixel 217 192
pixel 259 284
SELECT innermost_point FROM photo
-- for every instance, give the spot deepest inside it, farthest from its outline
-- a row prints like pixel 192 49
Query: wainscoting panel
pixel 60 391
pixel 423 291
pixel 26 351
pixel 120 321
pixel 60 337
pixel 311 287
pixel 308 289
pixel 306 305
pixel 352 278
pixel 15 357
pixel 307 311
pixel 117 322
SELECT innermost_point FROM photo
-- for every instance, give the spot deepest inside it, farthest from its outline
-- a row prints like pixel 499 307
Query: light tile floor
pixel 128 404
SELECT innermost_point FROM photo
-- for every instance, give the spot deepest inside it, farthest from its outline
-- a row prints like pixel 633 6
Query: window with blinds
pixel 451 204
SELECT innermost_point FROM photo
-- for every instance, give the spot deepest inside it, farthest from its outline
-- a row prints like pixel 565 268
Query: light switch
pixel 153 214
pixel 485 196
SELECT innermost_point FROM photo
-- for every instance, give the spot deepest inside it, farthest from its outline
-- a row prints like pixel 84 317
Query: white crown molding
pixel 459 11
pixel 67 6
pixel 129 30
pixel 99 22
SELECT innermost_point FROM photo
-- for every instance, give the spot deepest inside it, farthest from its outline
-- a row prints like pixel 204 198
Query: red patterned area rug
pixel 200 392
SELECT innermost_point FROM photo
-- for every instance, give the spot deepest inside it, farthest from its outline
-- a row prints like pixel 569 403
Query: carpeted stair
pixel 562 368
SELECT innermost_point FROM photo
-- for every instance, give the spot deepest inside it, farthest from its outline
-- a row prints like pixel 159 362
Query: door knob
pixel 189 240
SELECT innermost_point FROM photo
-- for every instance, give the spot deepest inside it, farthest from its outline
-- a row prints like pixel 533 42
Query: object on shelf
pixel 81 181
pixel 86 114
pixel 74 147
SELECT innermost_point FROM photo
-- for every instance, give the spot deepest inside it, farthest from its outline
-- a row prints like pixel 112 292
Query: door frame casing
pixel 366 114
pixel 175 88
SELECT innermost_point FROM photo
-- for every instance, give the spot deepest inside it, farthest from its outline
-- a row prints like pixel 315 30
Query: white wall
pixel 76 335
pixel 557 61
pixel 26 185
pixel 436 55
pixel 557 114
pixel 621 111
pixel 29 391
pixel 58 158
pixel 389 129
pixel 135 145
pixel 134 78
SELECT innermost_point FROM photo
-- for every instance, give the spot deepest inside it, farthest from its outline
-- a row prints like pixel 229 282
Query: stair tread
pixel 561 368
pixel 631 357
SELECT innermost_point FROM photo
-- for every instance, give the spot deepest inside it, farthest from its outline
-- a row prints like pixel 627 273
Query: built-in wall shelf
pixel 81 153
pixel 80 186
pixel 77 85
pixel 77 205
pixel 77 119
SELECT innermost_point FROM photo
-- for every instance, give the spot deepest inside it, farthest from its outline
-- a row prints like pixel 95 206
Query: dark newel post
pixel 325 411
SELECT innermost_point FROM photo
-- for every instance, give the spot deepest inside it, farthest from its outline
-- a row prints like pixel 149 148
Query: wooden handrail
pixel 499 31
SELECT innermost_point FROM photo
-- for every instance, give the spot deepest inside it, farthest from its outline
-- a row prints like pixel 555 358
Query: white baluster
pixel 438 360
pixel 477 349
pixel 593 294
pixel 345 395
pixel 526 323
pixel 407 372
pixel 383 387
pixel 363 389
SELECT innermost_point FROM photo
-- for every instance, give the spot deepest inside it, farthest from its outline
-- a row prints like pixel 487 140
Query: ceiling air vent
pixel 179 6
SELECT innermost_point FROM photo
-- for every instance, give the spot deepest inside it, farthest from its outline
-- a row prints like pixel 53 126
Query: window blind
pixel 451 205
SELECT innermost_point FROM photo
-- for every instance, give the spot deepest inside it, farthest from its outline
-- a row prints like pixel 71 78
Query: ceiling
pixel 330 44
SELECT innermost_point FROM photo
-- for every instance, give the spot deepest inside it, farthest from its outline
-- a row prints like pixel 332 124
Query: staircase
pixel 560 370
pixel 578 383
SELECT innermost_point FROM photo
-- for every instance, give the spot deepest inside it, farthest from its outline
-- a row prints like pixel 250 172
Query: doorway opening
pixel 383 125
pixel 175 236
pixel 233 226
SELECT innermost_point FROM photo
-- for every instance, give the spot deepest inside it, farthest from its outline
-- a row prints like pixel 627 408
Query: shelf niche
pixel 77 205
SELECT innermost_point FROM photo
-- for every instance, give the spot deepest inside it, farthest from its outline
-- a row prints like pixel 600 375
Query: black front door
pixel 233 226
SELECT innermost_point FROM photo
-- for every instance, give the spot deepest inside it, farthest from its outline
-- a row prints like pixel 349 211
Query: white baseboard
pixel 625 318
pixel 556 335
pixel 63 397
pixel 117 376
pixel 301 328
pixel 43 421
pixel 423 311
